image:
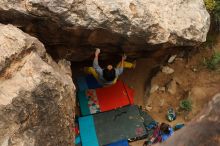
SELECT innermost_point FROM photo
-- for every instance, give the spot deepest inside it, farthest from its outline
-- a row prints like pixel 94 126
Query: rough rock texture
pixel 36 94
pixel 204 130
pixel 69 27
pixel 172 87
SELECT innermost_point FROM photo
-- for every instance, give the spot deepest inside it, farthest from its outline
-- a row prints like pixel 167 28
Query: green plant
pixel 186 105
pixel 213 7
pixel 216 11
pixel 213 62
pixel 210 5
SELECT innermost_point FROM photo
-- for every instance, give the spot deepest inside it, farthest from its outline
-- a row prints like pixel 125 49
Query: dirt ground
pixel 192 80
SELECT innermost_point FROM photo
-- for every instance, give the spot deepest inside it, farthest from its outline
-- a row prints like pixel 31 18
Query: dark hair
pixel 109 75
pixel 165 128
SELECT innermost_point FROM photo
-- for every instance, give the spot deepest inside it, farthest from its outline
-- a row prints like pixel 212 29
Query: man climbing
pixel 108 75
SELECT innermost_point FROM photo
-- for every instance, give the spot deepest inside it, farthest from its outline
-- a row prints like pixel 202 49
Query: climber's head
pixel 165 128
pixel 109 73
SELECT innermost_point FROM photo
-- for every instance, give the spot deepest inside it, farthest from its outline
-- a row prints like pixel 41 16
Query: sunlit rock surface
pixel 72 28
pixel 37 95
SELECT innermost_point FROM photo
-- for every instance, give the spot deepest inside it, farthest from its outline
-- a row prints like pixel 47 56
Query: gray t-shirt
pixel 99 71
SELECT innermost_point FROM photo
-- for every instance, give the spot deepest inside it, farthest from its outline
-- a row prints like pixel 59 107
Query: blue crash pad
pixel 92 82
pixel 88 82
pixel 83 102
pixel 82 83
pixel 87 131
pixel 119 143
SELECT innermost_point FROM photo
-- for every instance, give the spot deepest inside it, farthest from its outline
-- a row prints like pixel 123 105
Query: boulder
pixel 37 97
pixel 70 27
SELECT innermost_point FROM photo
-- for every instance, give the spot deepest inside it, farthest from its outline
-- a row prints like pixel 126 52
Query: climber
pixel 166 131
pixel 160 134
pixel 108 75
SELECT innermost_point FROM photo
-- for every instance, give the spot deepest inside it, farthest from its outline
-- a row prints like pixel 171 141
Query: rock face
pixel 36 94
pixel 204 130
pixel 69 27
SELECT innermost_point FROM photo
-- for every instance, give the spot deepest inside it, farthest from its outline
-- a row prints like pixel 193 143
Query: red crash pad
pixel 115 96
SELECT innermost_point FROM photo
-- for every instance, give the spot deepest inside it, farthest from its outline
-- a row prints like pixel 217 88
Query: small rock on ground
pixel 171 87
pixel 167 70
pixel 154 88
pixel 172 58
